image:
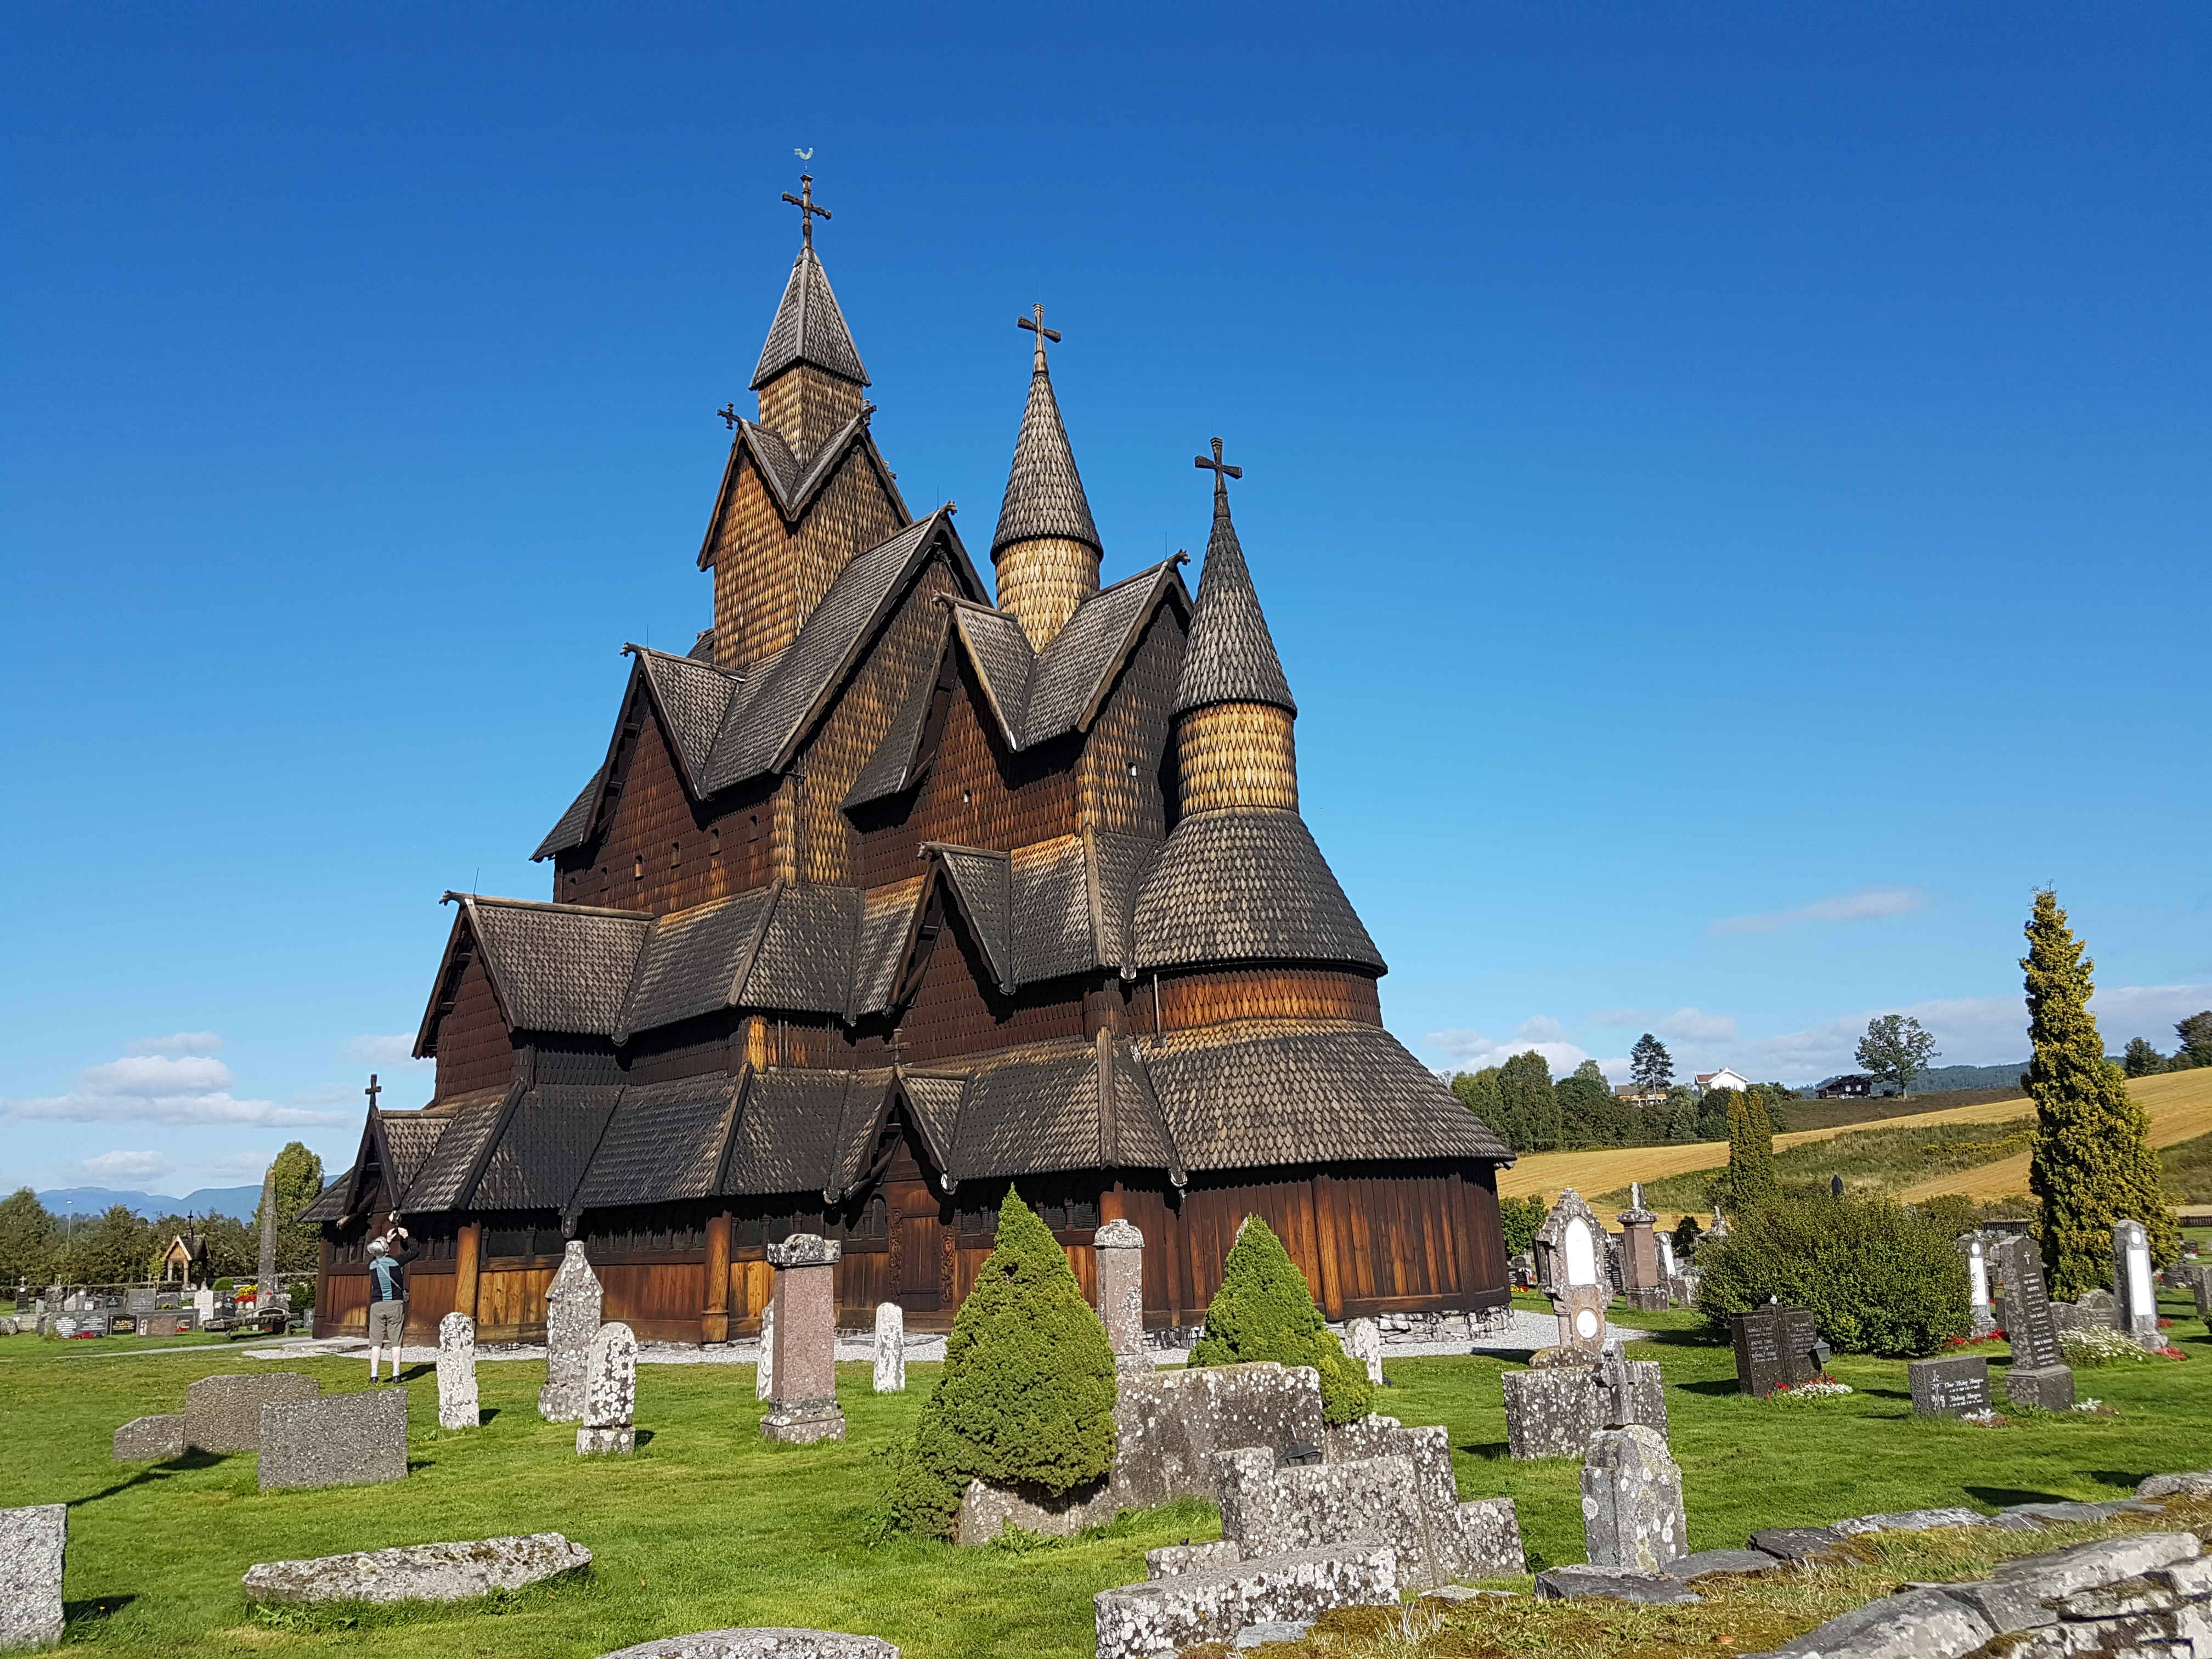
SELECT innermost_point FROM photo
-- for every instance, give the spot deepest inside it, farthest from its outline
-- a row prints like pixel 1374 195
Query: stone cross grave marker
pixel 804 1407
pixel 572 1320
pixel 1975 1252
pixel 765 1372
pixel 457 1406
pixel 2134 1288
pixel 609 1392
pixel 2039 1376
pixel 1949 1388
pixel 1119 1248
pixel 1633 1514
pixel 890 1348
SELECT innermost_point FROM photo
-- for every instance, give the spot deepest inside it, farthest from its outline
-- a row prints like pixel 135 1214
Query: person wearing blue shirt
pixel 388 1257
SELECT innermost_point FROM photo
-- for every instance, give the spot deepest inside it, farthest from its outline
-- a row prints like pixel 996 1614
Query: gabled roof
pixel 449 1175
pixel 1053 930
pixel 898 762
pixel 552 966
pixel 574 828
pixel 692 697
pixel 981 882
pixel 794 483
pixel 1044 493
pixel 1231 656
pixel 809 328
pixel 538 1159
pixel 695 961
pixel 665 1140
pixel 1232 886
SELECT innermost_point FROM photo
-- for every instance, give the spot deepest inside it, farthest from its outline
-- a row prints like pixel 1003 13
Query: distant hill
pixel 1941 1079
pixel 239 1201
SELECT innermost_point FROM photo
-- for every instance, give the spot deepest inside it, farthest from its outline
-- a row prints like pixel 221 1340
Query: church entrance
pixel 919 1237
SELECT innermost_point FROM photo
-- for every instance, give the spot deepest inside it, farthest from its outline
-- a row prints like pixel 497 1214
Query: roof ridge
pixel 809 327
pixel 545 904
pixel 1044 492
pixel 1231 656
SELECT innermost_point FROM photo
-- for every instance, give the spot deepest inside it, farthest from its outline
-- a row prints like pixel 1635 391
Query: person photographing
pixel 388 1257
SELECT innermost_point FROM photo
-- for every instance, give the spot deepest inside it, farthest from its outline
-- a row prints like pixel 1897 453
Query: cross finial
pixel 805 202
pixel 373 1090
pixel 1038 329
pixel 729 413
pixel 1222 471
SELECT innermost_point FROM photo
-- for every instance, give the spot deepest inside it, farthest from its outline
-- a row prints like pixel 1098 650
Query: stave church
pixel 895 891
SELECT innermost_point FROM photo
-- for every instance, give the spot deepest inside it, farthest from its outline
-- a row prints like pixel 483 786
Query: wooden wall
pixel 1118 777
pixel 474 1048
pixel 1189 1000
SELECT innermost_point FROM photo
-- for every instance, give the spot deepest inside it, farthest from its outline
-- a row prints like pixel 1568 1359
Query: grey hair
pixel 378 1247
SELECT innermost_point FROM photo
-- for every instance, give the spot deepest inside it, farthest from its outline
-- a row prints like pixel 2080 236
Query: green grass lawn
pixel 709 1526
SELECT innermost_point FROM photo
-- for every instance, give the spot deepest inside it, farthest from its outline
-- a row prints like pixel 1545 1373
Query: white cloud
pixel 126 1169
pixel 384 1051
pixel 1621 1017
pixel 176 1042
pixel 1542 1029
pixel 1858 906
pixel 1693 1025
pixel 236 1169
pixel 157 1088
pixel 1472 1051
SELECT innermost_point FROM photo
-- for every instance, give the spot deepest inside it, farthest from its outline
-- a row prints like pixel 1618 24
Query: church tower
pixel 1233 708
pixel 1046 548
pixel 809 378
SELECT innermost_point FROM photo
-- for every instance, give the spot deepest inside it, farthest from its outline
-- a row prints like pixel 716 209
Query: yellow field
pixel 2178 1105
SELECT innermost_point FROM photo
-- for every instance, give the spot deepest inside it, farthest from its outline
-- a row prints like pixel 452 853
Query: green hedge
pixel 1878 1278
pixel 1263 1310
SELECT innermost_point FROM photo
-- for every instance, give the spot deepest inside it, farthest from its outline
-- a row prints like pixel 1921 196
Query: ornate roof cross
pixel 730 417
pixel 805 202
pixel 1038 329
pixel 1222 471
pixel 373 1090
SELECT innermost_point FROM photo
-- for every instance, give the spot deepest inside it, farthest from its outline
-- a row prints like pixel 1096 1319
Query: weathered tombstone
pixel 1552 1411
pixel 457 1406
pixel 1949 1388
pixel 890 1348
pixel 340 1440
pixel 204 1305
pixel 1120 1258
pixel 266 1294
pixel 609 1392
pixel 2134 1288
pixel 1633 1513
pixel 1569 1271
pixel 224 1413
pixel 2039 1376
pixel 1644 1275
pixel 572 1320
pixel 2199 1280
pixel 764 1372
pixel 804 1407
pixel 33 1543
pixel 149 1440
pixel 1363 1341
pixel 1720 1227
pixel 1667 1263
pixel 761 1642
pixel 1762 1359
pixel 418 1572
pixel 1975 1252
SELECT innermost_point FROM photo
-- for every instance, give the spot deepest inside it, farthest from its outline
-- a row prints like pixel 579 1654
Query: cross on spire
pixel 1038 329
pixel 373 1090
pixel 805 202
pixel 1221 470
pixel 730 417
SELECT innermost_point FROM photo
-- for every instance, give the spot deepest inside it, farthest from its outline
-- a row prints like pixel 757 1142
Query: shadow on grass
pixel 161 1471
pixel 2120 1478
pixel 1715 1387
pixel 1681 1338
pixel 1489 1452
pixel 76 1613
pixel 2001 1496
pixel 486 1415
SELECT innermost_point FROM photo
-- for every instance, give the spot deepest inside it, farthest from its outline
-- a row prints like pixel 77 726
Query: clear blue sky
pixel 1728 482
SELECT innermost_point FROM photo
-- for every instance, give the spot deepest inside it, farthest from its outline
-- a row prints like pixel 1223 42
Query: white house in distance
pixel 1723 1078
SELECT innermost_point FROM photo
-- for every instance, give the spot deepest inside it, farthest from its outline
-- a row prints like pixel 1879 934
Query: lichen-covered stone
pixel 149 1440
pixel 1798 1543
pixel 1159 1618
pixel 1633 1513
pixel 1579 1582
pixel 2106 1561
pixel 1171 1559
pixel 572 1320
pixel 1118 1251
pixel 224 1413
pixel 1908 1521
pixel 890 1348
pixel 418 1572
pixel 764 1369
pixel 458 1405
pixel 761 1642
pixel 609 1392
pixel 1363 1341
pixel 32 1544
pixel 1703 1562
pixel 344 1440
pixel 2197 1484
pixel 1553 1412
pixel 1271 1509
pixel 1923 1624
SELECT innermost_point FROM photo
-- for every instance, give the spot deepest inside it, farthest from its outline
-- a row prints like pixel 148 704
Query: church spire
pixel 1233 708
pixel 809 377
pixel 1047 547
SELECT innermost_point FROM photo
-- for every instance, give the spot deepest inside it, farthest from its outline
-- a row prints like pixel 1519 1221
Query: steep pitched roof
pixel 1240 886
pixel 1053 925
pixel 805 957
pixel 450 1172
pixel 792 484
pixel 665 1140
pixel 553 967
pixel 982 882
pixel 695 961
pixel 1044 493
pixel 574 827
pixel 898 762
pixel 809 328
pixel 539 1158
pixel 1231 656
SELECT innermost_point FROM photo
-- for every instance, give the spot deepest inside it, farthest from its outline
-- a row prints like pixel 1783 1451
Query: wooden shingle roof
pixel 809 328
pixel 1241 886
pixel 1231 657
pixel 1044 493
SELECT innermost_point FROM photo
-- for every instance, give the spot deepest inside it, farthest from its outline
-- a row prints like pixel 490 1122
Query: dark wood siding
pixel 475 1050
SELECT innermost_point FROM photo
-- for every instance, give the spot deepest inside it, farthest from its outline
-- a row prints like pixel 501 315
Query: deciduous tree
pixel 1531 1102
pixel 2196 1035
pixel 1896 1049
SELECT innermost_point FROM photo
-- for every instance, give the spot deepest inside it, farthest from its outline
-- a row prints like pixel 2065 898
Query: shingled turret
pixel 1047 547
pixel 1233 708
pixel 810 378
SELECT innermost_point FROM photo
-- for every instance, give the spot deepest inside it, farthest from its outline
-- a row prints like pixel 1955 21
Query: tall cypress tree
pixel 2092 1165
pixel 1751 1150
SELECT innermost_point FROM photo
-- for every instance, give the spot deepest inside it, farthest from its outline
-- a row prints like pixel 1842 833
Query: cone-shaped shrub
pixel 1751 1149
pixel 1026 1399
pixel 2091 1165
pixel 1264 1311
pixel 1878 1278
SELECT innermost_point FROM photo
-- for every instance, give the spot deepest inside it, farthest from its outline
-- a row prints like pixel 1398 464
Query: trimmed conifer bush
pixel 1878 1278
pixel 1026 1397
pixel 1751 1149
pixel 2092 1165
pixel 1263 1310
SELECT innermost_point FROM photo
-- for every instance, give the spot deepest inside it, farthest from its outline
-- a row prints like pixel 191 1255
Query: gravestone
pixel 33 1543
pixel 1776 1347
pixel 609 1392
pixel 890 1348
pixel 340 1440
pixel 149 1440
pixel 804 1407
pixel 572 1320
pixel 1161 1617
pixel 457 1406
pixel 1633 1513
pixel 1570 1271
pixel 418 1572
pixel 2134 1290
pixel 2199 1280
pixel 1976 1253
pixel 204 1305
pixel 224 1413
pixel 1719 1228
pixel 1553 1411
pixel 2039 1377
pixel 1949 1388
pixel 1120 1259
pixel 1643 1271
pixel 764 1371
pixel 1363 1341
pixel 761 1642
pixel 266 1293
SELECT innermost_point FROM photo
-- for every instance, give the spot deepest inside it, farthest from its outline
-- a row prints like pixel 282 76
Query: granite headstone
pixel 340 1440
pixel 33 1543
pixel 609 1392
pixel 458 1406
pixel 2039 1377
pixel 1949 1388
pixel 572 1320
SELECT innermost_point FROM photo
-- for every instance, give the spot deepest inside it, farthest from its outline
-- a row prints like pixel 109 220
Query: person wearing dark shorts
pixel 388 1257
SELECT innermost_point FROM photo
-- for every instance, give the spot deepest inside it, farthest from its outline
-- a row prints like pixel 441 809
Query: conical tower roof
pixel 1231 656
pixel 1044 492
pixel 809 328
